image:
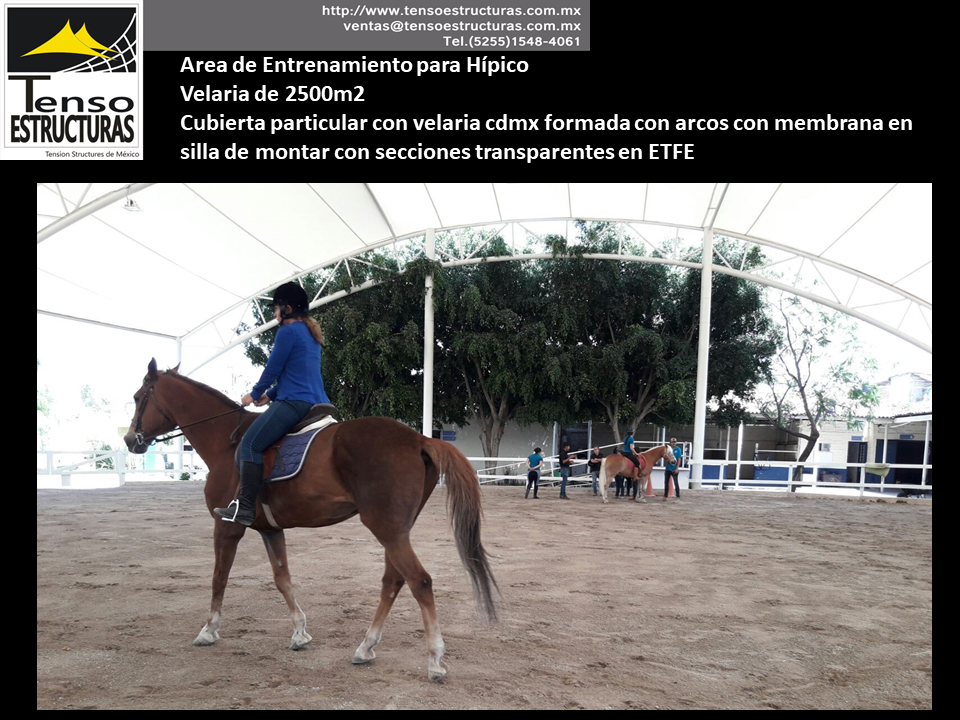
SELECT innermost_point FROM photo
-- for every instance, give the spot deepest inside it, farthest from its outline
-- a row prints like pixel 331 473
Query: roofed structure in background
pixel 190 263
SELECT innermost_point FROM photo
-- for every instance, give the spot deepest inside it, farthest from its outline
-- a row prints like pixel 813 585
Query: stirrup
pixel 233 518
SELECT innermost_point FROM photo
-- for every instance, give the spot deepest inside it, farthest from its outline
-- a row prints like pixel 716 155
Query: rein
pixel 212 417
pixel 143 409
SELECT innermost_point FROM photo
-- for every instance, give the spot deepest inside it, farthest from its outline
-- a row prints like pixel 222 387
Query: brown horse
pixel 614 465
pixel 372 466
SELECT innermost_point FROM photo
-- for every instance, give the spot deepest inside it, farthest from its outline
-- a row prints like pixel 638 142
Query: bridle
pixel 138 433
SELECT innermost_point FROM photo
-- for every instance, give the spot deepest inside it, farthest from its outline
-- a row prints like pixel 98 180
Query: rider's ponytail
pixel 314 328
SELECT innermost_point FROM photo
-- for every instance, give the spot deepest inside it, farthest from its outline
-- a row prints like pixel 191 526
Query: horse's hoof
pixel 300 641
pixel 438 675
pixel 359 659
pixel 205 638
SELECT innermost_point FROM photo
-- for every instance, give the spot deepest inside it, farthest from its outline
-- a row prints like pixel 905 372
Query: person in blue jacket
pixel 534 465
pixel 672 470
pixel 295 366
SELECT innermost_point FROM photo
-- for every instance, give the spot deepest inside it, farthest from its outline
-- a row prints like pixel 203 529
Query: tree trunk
pixel 491 436
pixel 808 448
pixel 612 412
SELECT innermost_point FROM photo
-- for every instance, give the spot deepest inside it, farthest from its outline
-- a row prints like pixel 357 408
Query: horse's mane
pixel 206 388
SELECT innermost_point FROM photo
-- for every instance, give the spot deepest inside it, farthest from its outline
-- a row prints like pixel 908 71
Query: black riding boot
pixel 244 508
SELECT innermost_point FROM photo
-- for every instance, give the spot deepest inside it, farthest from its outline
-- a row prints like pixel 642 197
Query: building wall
pixel 917 429
pixel 835 434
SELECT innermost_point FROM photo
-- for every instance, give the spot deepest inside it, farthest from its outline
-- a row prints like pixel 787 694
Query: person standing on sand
pixel 672 471
pixel 534 464
pixel 594 464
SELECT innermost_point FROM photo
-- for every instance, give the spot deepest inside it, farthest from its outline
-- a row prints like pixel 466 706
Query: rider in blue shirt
pixel 295 366
pixel 628 448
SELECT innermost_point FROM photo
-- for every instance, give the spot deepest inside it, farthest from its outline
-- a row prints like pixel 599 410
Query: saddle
pixel 284 459
pixel 639 460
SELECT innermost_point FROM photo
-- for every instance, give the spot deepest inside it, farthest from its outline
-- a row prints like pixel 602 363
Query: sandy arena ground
pixel 733 600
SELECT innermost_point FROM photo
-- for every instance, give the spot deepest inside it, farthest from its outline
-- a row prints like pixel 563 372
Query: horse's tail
pixel 603 472
pixel 463 506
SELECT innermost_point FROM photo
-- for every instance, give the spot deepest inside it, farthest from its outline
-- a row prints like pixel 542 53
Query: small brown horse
pixel 614 465
pixel 372 466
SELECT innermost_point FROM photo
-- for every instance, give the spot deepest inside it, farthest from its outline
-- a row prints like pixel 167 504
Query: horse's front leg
pixel 647 480
pixel 639 485
pixel 226 537
pixel 276 545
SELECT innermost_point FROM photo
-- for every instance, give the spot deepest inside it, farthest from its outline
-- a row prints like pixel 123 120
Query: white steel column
pixel 726 456
pixel 178 464
pixel 886 444
pixel 926 451
pixel 428 341
pixel 739 452
pixel 703 350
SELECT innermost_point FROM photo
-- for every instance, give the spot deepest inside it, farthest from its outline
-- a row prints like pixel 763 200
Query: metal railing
pixel 124 463
pixel 745 484
pixel 547 478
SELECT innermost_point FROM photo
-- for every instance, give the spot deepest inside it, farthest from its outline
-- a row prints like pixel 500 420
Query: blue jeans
pixel 596 477
pixel 270 427
pixel 565 475
pixel 666 481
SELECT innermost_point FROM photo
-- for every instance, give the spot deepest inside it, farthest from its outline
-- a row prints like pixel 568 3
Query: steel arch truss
pixel 792 271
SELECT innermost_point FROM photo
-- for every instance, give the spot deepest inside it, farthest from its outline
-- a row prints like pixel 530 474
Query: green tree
pixel 632 330
pixel 742 336
pixel 372 359
pixel 602 320
pixel 536 341
pixel 820 372
pixel 493 356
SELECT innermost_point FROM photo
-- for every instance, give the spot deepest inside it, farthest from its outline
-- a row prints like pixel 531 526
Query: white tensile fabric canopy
pixel 198 250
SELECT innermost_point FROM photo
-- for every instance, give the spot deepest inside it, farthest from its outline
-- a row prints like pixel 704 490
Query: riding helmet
pixel 291 294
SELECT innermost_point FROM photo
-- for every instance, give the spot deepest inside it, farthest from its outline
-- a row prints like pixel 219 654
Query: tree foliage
pixel 493 354
pixel 562 339
pixel 633 328
pixel 820 372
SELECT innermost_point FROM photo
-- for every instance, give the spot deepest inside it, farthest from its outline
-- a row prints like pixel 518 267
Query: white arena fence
pixel 861 488
pixel 551 465
pixel 76 468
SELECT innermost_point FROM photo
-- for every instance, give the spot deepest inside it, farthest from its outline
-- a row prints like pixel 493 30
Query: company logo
pixel 71 77
pixel 66 41
pixel 42 39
